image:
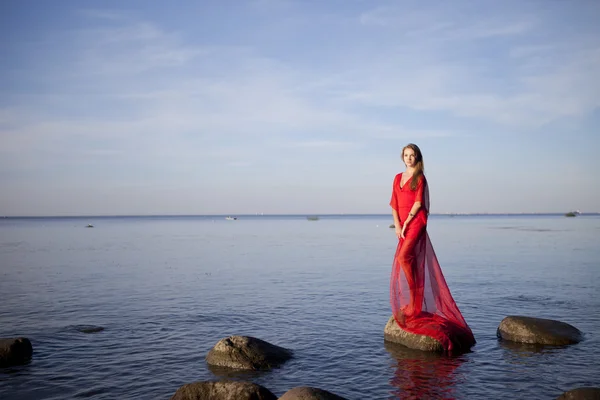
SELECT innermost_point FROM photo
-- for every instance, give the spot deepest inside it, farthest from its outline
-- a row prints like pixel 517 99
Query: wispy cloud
pixel 445 64
pixel 101 14
pixel 446 23
pixel 324 144
pixel 132 49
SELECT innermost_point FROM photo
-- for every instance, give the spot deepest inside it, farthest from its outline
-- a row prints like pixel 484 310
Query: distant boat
pixel 230 218
pixel 573 213
pixel 89 226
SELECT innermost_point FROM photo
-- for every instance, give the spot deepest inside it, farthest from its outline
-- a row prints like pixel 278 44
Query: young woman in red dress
pixel 420 298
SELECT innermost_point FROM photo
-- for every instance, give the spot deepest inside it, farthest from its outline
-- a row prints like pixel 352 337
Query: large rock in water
pixel 309 393
pixel 393 333
pixel 15 351
pixel 538 331
pixel 226 390
pixel 584 393
pixel 247 353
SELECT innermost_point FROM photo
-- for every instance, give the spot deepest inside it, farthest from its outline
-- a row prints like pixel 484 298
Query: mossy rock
pixel 247 353
pixel 15 351
pixel 584 393
pixel 539 331
pixel 223 390
pixel 393 333
pixel 309 393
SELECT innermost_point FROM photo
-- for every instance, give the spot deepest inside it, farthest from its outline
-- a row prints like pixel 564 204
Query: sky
pixel 297 106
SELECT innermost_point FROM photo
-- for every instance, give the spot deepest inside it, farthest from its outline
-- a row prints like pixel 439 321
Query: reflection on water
pixel 235 374
pixel 514 352
pixel 422 375
pixel 165 290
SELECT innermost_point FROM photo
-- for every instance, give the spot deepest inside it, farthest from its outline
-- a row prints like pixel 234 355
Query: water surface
pixel 166 289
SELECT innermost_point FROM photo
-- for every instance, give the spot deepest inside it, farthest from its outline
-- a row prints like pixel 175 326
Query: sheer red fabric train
pixel 420 298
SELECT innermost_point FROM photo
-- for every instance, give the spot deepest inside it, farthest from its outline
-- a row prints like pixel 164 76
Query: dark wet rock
pixel 89 328
pixel 15 351
pixel 584 393
pixel 224 390
pixel 538 331
pixel 393 333
pixel 245 352
pixel 309 393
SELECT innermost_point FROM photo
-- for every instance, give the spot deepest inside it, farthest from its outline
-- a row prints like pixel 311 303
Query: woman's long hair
pixel 419 166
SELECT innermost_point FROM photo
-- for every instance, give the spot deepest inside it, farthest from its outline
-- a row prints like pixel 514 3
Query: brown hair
pixel 419 166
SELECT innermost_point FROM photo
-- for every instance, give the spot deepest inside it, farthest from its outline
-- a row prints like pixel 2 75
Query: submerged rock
pixel 245 352
pixel 89 328
pixel 15 351
pixel 538 331
pixel 309 393
pixel 584 393
pixel 225 390
pixel 393 333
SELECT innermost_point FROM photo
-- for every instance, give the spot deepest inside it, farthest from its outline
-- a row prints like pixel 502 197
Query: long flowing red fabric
pixel 420 298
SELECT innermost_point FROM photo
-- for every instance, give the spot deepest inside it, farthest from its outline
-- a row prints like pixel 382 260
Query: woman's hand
pixel 398 232
pixel 402 231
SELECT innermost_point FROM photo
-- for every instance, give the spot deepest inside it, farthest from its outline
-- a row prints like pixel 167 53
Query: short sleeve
pixel 420 189
pixel 394 199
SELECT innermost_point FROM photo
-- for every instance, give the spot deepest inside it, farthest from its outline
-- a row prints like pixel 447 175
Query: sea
pixel 165 289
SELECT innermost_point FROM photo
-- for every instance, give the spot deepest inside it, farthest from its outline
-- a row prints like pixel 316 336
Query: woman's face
pixel 409 157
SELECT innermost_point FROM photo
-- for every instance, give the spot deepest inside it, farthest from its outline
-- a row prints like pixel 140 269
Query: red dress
pixel 421 300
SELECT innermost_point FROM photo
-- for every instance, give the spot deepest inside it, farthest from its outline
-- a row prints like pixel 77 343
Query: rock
pixel 309 393
pixel 15 351
pixel 248 353
pixel 89 328
pixel 538 331
pixel 584 393
pixel 393 333
pixel 224 390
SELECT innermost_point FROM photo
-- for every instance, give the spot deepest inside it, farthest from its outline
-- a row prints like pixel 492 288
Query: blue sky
pixel 282 106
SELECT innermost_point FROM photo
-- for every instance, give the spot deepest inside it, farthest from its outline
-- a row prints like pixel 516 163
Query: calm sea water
pixel 167 289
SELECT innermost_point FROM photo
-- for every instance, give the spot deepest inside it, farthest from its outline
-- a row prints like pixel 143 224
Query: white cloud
pixel 441 61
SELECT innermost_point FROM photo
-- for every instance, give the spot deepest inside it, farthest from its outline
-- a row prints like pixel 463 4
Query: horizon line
pixel 283 214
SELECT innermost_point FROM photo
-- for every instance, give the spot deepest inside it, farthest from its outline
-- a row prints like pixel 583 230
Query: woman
pixel 421 301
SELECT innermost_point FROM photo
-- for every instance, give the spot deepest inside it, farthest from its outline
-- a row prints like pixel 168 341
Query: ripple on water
pixel 167 290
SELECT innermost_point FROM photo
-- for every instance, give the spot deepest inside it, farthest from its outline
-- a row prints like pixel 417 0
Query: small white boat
pixel 230 218
pixel 89 226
